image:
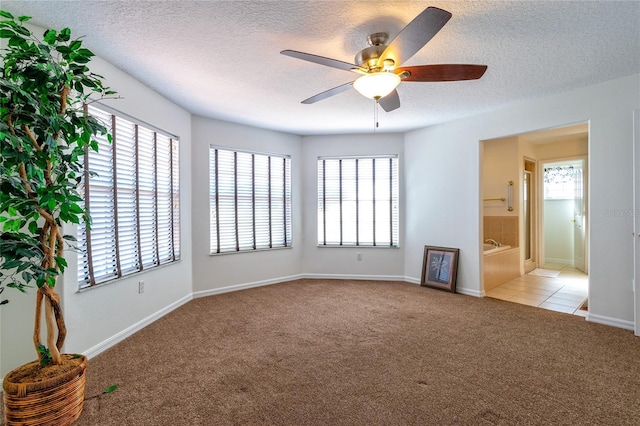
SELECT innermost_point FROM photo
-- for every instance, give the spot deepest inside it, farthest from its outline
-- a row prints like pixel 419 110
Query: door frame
pixel 540 205
pixel 534 262
pixel 636 219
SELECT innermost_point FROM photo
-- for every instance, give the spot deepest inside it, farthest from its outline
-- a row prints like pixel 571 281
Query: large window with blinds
pixel 250 201
pixel 358 201
pixel 132 191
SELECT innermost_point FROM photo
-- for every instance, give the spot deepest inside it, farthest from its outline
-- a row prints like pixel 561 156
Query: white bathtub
pixel 501 264
pixel 490 248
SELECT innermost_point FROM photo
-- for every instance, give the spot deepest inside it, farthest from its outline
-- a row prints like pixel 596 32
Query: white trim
pixel 412 280
pixel 355 277
pixel 558 260
pixel 614 322
pixel 470 292
pixel 129 331
pixel 460 290
pixel 636 222
pixel 236 287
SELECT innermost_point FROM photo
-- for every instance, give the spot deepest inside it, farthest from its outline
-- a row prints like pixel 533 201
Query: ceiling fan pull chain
pixel 375 114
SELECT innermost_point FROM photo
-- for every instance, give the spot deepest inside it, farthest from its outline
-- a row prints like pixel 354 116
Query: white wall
pixel 217 273
pixel 98 314
pixel 377 262
pixel 443 165
pixel 97 317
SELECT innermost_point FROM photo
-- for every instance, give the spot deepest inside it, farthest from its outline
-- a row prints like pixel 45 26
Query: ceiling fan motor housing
pixel 368 57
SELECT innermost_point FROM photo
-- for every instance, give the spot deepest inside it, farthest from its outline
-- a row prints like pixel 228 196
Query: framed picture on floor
pixel 440 267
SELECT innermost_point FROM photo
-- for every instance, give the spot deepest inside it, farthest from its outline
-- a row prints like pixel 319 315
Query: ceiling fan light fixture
pixel 376 85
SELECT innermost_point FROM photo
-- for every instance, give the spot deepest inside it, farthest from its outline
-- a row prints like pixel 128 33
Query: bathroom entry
pixel 549 216
pixel 563 213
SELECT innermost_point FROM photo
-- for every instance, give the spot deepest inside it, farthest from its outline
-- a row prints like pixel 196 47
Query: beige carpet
pixel 323 352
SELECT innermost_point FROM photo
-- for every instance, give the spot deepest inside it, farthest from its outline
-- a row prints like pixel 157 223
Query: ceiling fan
pixel 379 64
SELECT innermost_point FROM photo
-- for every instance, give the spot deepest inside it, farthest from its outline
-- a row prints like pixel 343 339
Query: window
pixel 134 200
pixel 561 181
pixel 250 201
pixel 358 201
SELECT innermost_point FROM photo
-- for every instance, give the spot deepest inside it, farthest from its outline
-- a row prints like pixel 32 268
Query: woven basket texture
pixel 55 401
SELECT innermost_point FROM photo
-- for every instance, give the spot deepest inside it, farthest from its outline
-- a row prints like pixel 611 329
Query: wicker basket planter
pixel 56 400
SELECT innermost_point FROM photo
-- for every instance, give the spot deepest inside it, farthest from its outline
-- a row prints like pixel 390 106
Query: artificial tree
pixel 45 134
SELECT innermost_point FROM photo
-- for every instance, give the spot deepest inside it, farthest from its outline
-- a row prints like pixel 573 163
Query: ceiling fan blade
pixel 390 102
pixel 333 63
pixel 446 72
pixel 328 93
pixel 415 35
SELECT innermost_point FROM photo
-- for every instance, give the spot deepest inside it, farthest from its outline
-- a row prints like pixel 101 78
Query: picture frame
pixel 440 268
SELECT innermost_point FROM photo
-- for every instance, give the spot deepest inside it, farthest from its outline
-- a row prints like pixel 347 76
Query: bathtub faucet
pixel 494 242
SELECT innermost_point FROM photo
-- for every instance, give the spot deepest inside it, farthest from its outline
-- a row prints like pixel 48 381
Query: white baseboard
pixel 461 290
pixel 555 260
pixel 355 277
pixel 129 331
pixel 470 292
pixel 614 322
pixel 412 280
pixel 236 287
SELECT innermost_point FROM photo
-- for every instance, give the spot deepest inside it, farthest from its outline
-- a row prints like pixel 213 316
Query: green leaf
pixel 10 264
pixel 45 355
pixel 6 33
pixel 50 37
pixel 18 41
pixel 75 44
pixel 74 208
pixel 33 227
pixel 65 34
pixel 64 50
pixel 61 261
pixel 6 14
pixel 85 52
pixel 23 267
pixel 24 18
pixel 22 30
pixel 20 287
pixel 110 389
pixel 51 281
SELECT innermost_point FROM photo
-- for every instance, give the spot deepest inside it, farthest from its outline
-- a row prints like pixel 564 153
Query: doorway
pixel 553 265
pixel 563 213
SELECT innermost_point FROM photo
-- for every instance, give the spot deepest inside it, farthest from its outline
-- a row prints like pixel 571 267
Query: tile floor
pixel 564 293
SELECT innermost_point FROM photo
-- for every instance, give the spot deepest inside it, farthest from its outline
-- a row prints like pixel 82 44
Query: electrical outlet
pixel 140 287
pixel 359 256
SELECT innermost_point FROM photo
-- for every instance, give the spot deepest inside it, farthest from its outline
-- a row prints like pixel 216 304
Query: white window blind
pixel 358 201
pixel 250 201
pixel 131 187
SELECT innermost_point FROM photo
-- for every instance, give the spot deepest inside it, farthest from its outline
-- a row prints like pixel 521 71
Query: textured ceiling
pixel 221 59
